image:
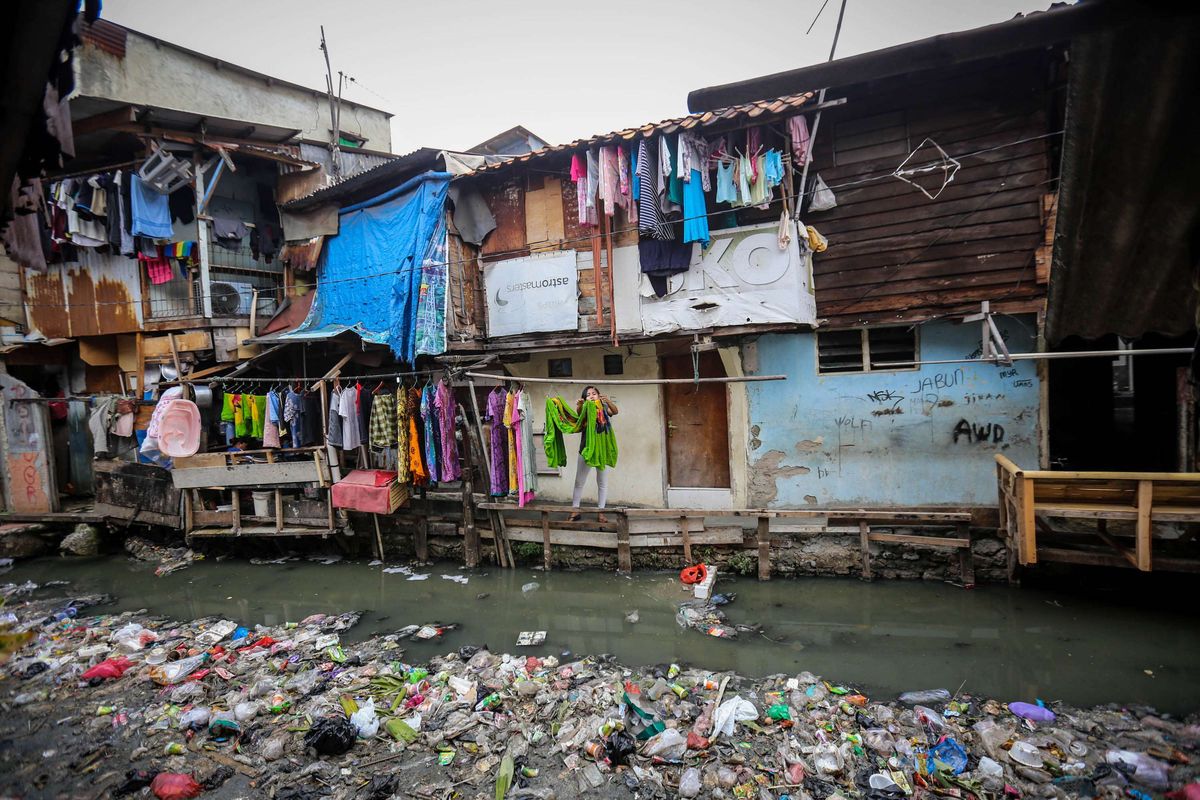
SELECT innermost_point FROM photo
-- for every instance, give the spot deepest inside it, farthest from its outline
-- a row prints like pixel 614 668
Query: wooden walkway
pixel 631 528
pixel 1052 516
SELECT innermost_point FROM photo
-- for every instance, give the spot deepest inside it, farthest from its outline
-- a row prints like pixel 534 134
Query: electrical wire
pixel 407 270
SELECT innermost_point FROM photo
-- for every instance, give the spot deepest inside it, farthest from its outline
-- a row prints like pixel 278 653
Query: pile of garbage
pixel 171 559
pixel 128 703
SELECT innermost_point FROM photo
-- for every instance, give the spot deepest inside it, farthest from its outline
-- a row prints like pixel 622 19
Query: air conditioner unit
pixel 228 299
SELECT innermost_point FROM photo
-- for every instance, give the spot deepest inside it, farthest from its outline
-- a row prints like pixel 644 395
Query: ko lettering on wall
pixel 531 295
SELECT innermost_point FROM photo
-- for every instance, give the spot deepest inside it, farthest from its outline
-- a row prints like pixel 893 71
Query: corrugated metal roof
pixel 759 108
pixel 376 178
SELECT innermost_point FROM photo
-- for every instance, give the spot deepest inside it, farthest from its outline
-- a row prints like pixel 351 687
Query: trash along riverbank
pixel 129 704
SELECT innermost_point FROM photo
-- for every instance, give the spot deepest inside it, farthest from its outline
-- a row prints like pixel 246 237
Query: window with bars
pixel 867 350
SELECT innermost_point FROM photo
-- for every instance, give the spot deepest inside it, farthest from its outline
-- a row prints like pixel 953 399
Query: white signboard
pixel 528 295
pixel 743 278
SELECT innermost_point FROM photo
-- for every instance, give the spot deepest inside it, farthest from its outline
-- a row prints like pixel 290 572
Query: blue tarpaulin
pixel 370 276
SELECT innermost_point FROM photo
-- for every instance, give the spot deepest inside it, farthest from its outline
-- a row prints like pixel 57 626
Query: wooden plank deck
pixel 1030 499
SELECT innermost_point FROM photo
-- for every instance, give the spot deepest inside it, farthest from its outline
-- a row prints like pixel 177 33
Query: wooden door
pixel 697 419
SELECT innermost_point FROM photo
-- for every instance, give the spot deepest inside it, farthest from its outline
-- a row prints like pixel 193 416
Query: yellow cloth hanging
pixel 509 411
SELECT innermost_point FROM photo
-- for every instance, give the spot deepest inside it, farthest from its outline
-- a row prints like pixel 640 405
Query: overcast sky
pixel 456 72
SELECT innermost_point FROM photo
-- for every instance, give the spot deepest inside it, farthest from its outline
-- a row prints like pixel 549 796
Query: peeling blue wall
pixel 906 437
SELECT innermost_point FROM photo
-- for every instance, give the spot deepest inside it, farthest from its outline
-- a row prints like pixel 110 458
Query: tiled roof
pixel 759 108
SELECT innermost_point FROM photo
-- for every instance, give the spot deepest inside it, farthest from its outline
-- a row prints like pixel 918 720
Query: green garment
pixel 599 447
pixel 259 416
pixel 227 407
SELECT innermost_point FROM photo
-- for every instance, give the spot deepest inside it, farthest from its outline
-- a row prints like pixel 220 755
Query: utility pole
pixel 812 139
pixel 335 169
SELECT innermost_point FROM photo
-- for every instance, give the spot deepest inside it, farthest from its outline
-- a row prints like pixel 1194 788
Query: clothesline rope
pixel 627 381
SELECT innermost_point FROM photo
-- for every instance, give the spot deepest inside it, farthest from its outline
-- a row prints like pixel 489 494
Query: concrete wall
pixel 159 74
pixel 903 437
pixel 638 476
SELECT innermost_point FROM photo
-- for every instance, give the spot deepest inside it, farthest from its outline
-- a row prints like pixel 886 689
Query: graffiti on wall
pixel 28 491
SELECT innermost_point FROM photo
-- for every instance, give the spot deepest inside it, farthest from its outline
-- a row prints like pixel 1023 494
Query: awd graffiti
pixel 983 433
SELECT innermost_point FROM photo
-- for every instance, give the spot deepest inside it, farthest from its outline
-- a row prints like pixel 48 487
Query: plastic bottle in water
pixel 925 697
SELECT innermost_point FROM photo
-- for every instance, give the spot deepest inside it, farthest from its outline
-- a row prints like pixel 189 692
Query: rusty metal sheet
pixel 45 305
pixel 303 256
pixel 98 296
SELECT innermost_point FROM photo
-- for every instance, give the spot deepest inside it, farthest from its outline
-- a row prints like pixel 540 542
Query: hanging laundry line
pixel 626 381
pixel 305 379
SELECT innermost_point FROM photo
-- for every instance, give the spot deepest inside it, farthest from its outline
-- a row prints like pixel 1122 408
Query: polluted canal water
pixel 1082 649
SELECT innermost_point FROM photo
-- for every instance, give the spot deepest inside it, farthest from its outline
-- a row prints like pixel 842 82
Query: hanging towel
pixel 151 211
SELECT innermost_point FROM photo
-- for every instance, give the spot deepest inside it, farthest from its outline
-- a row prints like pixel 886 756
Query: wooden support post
pixel 687 539
pixel 141 365
pixel 1002 496
pixel 546 540
pixel 278 499
pixel 763 536
pixel 422 537
pixel 470 530
pixel 378 537
pixel 175 357
pixel 864 541
pixel 624 554
pixel 966 558
pixel 1102 532
pixel 237 510
pixel 1145 501
pixel 188 511
pixel 1027 527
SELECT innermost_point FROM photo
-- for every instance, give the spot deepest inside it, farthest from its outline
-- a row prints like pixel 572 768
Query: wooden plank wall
pixel 536 210
pixel 893 253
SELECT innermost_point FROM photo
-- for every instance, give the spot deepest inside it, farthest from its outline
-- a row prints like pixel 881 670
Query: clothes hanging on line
pixel 383 420
pixel 801 141
pixel 333 424
pixel 348 409
pixel 527 482
pixel 416 458
pixel 450 469
pixel 403 469
pixel 498 452
pixel 151 212
pixel 429 416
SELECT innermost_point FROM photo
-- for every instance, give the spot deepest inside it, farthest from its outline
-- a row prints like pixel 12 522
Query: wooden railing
pixel 1028 498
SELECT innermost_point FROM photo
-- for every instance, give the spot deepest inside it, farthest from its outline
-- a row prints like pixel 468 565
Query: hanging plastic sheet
pixel 371 273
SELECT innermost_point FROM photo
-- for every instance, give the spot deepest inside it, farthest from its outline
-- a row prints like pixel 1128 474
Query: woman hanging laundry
pixel 595 417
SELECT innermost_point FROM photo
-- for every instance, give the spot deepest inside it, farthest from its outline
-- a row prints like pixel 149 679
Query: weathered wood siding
pixel 893 253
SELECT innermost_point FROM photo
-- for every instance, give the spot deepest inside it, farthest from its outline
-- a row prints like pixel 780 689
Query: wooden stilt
pixel 378 537
pixel 966 557
pixel 1145 501
pixel 546 540
pixel 864 541
pixel 422 537
pixel 687 539
pixel 764 548
pixel 470 531
pixel 624 554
